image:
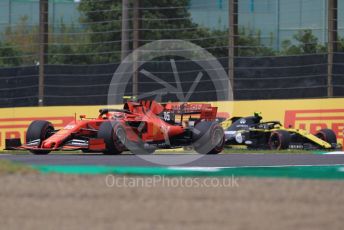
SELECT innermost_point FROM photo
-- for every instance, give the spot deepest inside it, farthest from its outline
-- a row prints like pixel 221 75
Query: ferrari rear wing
pixel 205 110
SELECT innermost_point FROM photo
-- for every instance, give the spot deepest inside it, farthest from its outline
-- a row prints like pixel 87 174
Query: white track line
pixel 334 153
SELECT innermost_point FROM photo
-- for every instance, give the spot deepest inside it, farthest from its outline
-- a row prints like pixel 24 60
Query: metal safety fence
pixel 64 52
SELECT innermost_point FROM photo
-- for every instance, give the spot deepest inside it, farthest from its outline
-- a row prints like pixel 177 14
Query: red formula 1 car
pixel 140 127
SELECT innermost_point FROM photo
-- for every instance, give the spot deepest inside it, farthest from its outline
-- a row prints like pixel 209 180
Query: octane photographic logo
pixel 160 49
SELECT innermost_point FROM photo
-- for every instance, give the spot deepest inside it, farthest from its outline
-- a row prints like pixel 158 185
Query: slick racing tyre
pixel 39 130
pixel 279 139
pixel 327 135
pixel 114 136
pixel 208 138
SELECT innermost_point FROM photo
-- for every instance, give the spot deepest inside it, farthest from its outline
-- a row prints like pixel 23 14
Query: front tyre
pixel 39 130
pixel 208 138
pixel 327 135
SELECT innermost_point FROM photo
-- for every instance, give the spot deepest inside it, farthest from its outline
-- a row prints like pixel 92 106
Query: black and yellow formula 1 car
pixel 253 133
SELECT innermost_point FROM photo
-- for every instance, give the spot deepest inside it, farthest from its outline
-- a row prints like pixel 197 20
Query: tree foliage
pixel 9 55
pixel 305 42
pixel 23 42
pixel 157 24
pixel 98 37
pixel 66 46
pixel 102 23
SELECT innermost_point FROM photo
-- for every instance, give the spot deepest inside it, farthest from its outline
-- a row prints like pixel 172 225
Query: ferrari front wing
pixel 74 144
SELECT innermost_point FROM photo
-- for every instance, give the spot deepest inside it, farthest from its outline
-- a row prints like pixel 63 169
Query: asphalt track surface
pixel 221 160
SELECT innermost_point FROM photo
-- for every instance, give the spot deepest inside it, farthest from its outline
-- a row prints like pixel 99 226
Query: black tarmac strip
pixel 221 160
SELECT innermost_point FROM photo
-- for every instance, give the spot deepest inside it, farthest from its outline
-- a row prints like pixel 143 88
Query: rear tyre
pixel 114 136
pixel 327 135
pixel 39 130
pixel 279 139
pixel 208 138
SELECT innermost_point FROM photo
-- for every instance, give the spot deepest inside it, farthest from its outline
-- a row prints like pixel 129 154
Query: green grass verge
pixel 8 167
